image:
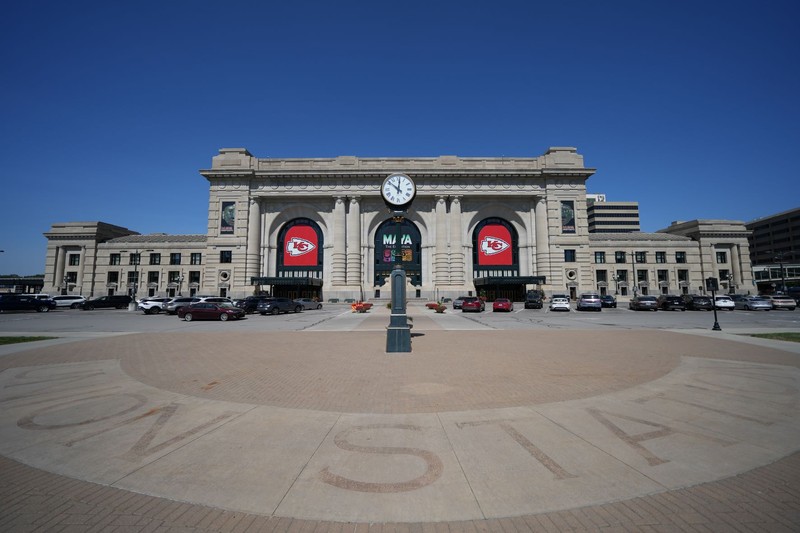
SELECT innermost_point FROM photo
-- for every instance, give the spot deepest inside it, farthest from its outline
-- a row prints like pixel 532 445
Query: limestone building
pixel 319 228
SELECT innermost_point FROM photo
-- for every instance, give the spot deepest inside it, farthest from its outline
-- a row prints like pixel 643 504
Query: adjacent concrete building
pixel 775 250
pixel 318 228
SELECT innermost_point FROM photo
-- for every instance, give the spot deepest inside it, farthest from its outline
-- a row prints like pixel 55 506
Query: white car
pixel 724 302
pixel 152 305
pixel 559 304
pixel 73 301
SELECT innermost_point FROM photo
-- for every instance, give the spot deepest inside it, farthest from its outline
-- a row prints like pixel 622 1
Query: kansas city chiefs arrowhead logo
pixel 297 246
pixel 493 245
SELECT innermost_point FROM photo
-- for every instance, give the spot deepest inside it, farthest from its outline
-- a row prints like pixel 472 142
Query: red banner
pixel 300 246
pixel 494 245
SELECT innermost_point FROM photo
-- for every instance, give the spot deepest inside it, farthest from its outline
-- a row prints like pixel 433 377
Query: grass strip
pixel 15 340
pixel 791 337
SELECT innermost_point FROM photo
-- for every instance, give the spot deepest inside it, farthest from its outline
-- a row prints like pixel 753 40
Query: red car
pixel 472 303
pixel 503 304
pixel 210 311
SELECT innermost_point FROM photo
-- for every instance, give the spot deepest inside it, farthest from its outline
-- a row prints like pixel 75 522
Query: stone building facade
pixel 319 228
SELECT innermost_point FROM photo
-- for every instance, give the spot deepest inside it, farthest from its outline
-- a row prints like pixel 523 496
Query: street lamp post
pixel 615 279
pixel 180 282
pixel 779 259
pixel 138 261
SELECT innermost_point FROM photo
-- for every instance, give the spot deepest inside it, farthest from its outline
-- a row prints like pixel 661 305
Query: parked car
pixel 472 303
pixel 309 303
pixel 152 306
pixel 751 303
pixel 210 311
pixel 669 302
pixel 608 301
pixel 643 303
pixel 276 305
pixel 698 302
pixel 248 303
pixel 724 302
pixel 589 300
pixel 73 301
pixel 214 299
pixel 780 301
pixel 559 304
pixel 533 301
pixel 458 301
pixel 117 301
pixel 502 304
pixel 174 305
pixel 25 302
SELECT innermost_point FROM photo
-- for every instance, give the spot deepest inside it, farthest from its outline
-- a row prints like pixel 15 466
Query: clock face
pixel 398 190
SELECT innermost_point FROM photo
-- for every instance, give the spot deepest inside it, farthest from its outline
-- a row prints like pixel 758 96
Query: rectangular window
pixel 74 259
pixel 599 257
pixel 620 257
pixel 663 275
pixel 226 256
pixel 661 257
pixel 173 276
pixel 72 277
pixel 152 277
pixel 114 259
pixel 724 274
pixel 641 257
pixel 602 275
pixel 569 256
pixel 175 259
pixel 722 257
pixel 194 276
pixel 683 275
pixel 113 277
pixel 133 259
pixel 641 275
pixel 622 276
pixel 133 277
pixel 155 259
pixel 680 257
pixel 196 259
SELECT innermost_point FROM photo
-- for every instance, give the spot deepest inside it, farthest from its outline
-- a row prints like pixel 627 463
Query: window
pixel 622 276
pixel 152 277
pixel 683 275
pixel 134 259
pixel 722 257
pixel 72 277
pixel 133 277
pixel 602 275
pixel 196 259
pixel 194 276
pixel 175 259
pixel 661 257
pixel 641 257
pixel 114 259
pixel 663 275
pixel 173 276
pixel 113 277
pixel 155 259
pixel 74 259
pixel 569 256
pixel 680 257
pixel 226 256
pixel 620 257
pixel 599 257
pixel 724 274
pixel 641 275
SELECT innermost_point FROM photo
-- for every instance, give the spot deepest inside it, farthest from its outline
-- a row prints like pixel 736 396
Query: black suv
pixel 533 301
pixel 25 302
pixel 278 305
pixel 118 301
pixel 698 302
pixel 668 302
pixel 250 303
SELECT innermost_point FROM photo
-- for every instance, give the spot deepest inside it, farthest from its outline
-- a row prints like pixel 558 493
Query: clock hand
pixel 397 185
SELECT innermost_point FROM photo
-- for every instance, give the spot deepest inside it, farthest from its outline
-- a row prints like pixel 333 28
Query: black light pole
pixel 712 285
pixel 779 259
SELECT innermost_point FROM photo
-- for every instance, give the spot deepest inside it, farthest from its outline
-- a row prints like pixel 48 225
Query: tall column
pixel 542 240
pixel 441 268
pixel 339 255
pixel 253 253
pixel 81 269
pixel 354 243
pixel 736 266
pixel 457 274
pixel 61 259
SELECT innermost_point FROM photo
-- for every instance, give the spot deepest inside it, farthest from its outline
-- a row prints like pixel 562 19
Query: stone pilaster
pixel 542 240
pixel 354 243
pixel 253 253
pixel 339 254
pixel 441 268
pixel 457 266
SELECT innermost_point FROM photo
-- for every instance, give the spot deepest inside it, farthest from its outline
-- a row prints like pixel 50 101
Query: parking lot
pixel 339 317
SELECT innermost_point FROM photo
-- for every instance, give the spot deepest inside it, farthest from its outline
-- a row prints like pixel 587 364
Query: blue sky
pixel 109 109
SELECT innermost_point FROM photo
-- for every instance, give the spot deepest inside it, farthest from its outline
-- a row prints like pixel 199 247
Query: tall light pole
pixel 779 259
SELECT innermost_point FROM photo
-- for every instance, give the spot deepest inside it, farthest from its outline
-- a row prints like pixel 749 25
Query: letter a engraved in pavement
pixel 634 440
pixel 434 470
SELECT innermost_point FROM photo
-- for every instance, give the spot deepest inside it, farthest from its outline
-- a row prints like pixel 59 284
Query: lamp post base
pixel 398 339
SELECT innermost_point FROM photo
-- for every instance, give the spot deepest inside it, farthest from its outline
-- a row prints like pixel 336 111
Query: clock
pixel 398 190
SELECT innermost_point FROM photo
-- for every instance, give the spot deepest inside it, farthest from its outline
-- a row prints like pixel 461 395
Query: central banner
pixel 494 245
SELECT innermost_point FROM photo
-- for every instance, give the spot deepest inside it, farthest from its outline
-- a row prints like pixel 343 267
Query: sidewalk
pixel 475 430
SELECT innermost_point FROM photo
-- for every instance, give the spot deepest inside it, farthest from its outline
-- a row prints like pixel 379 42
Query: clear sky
pixel 109 109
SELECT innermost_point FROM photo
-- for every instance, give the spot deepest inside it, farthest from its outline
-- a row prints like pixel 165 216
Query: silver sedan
pixel 753 303
pixel 309 303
